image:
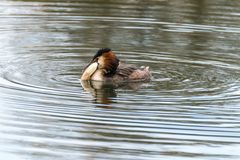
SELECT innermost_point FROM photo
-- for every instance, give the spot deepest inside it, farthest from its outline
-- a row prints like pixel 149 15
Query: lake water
pixel 189 110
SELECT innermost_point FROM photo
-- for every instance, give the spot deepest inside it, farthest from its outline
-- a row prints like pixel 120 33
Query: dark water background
pixel 190 109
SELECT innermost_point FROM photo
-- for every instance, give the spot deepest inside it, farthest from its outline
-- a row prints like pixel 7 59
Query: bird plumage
pixel 105 66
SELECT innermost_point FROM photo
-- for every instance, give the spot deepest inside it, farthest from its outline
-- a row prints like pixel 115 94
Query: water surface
pixel 190 109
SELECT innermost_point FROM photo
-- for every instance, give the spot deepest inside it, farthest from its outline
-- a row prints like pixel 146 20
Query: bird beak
pixel 88 72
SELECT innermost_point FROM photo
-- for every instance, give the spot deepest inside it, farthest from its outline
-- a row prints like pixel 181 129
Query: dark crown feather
pixel 101 51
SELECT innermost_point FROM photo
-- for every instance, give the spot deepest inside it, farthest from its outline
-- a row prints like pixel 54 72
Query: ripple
pixel 190 109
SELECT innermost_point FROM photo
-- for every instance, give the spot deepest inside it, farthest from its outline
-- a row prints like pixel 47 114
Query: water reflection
pixel 105 93
pixel 190 110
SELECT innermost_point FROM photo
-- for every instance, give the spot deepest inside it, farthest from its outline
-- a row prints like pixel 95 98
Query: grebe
pixel 105 66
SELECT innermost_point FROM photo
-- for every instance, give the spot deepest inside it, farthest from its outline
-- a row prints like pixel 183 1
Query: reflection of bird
pixel 104 93
pixel 105 66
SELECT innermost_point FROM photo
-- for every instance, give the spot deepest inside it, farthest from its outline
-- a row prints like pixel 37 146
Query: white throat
pixel 98 75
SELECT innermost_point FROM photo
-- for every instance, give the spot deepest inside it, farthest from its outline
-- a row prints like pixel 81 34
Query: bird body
pixel 105 66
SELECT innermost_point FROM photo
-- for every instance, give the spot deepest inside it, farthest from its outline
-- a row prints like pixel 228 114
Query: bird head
pixel 104 60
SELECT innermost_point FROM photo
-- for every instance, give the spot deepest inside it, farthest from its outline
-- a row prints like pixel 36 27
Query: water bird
pixel 105 66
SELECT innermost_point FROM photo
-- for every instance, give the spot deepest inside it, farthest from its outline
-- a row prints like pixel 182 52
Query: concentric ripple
pixel 189 110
